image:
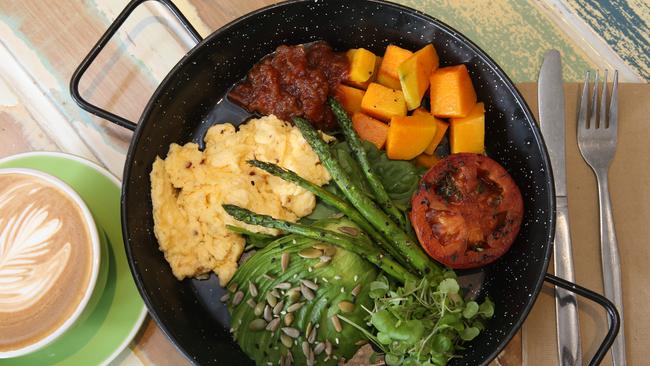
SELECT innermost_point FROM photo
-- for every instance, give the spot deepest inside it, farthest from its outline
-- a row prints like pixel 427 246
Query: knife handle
pixel 611 264
pixel 566 305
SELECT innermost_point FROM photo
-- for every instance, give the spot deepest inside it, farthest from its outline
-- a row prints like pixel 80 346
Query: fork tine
pixel 613 103
pixel 602 111
pixel 584 104
pixel 593 109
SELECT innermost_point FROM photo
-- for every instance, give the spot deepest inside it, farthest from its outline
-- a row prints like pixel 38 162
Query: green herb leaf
pixel 469 333
pixel 487 308
pixel 379 288
pixel 449 285
pixel 471 308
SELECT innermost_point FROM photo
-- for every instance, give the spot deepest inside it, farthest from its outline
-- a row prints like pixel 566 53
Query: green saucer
pixel 119 313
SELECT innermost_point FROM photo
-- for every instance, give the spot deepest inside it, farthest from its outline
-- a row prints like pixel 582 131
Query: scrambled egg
pixel 190 185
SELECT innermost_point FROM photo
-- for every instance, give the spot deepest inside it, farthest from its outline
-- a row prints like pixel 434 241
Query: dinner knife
pixel 552 123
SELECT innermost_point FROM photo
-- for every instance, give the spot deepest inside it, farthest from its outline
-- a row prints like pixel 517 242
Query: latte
pixel 46 259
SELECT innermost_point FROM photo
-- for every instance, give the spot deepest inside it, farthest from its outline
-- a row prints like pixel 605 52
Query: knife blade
pixel 552 123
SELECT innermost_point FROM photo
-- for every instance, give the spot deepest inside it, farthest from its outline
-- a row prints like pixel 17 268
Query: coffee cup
pixel 49 260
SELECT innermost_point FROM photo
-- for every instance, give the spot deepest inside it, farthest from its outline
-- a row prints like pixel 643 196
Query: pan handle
pixel 96 50
pixel 612 313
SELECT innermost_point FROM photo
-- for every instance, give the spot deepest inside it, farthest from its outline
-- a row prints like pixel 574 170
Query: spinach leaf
pixel 400 177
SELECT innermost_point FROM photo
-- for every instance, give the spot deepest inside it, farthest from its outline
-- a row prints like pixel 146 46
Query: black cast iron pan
pixel 192 98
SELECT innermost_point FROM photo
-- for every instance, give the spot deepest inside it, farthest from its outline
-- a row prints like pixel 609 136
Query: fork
pixel 597 143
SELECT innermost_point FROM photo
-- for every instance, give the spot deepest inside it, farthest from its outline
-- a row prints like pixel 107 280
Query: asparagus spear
pixel 375 215
pixel 370 253
pixel 355 144
pixel 331 199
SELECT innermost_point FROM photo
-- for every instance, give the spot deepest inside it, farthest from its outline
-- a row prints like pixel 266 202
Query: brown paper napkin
pixel 630 193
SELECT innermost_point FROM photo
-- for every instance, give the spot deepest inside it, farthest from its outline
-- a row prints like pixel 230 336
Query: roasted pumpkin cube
pixel 393 57
pixel 414 75
pixel 370 129
pixel 426 160
pixel 349 97
pixel 383 103
pixel 440 133
pixel 467 134
pixel 362 65
pixel 408 136
pixel 364 85
pixel 451 91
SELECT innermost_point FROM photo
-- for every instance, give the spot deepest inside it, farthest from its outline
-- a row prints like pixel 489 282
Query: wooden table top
pixel 41 43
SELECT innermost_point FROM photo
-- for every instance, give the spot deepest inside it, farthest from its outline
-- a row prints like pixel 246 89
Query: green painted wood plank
pixel 513 32
pixel 624 25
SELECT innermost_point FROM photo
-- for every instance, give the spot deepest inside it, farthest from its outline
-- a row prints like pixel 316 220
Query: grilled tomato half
pixel 466 211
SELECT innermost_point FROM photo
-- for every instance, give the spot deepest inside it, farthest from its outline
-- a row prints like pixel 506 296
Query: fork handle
pixel 611 263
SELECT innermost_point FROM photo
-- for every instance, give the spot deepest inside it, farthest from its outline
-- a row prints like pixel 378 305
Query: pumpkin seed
pixel 232 287
pixel 310 284
pixel 310 253
pixel 308 329
pixel 275 293
pixel 319 348
pixel 305 349
pixel 360 342
pixel 355 291
pixel 306 292
pixel 288 319
pixel 278 308
pixel 291 332
pixel 273 325
pixel 328 348
pixel 321 264
pixel 330 251
pixel 257 325
pixel 286 340
pixel 259 309
pixel 352 231
pixel 320 246
pixel 312 336
pixel 284 261
pixel 283 286
pixel 295 307
pixel 239 296
pixel 251 303
pixel 346 306
pixel 293 294
pixel 271 300
pixel 336 323
pixel 252 289
pixel 225 297
pixel 311 360
pixel 267 313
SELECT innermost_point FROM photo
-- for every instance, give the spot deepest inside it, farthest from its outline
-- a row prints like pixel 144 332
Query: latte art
pixel 45 259
pixel 28 266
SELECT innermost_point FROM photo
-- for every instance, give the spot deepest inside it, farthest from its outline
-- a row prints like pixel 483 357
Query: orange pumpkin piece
pixel 364 85
pixel 408 136
pixel 414 75
pixel 370 129
pixel 426 160
pixel 451 91
pixel 440 133
pixel 393 57
pixel 349 97
pixel 362 65
pixel 383 103
pixel 467 134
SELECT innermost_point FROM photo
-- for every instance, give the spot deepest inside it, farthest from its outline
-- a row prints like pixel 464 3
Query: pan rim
pixel 433 22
